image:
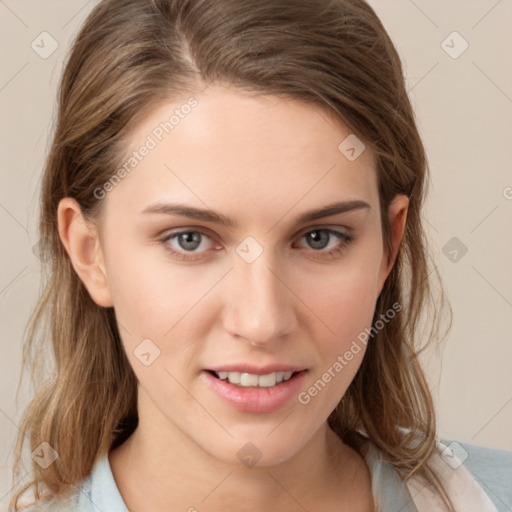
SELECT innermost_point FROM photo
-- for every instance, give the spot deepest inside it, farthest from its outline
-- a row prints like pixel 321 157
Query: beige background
pixel 464 109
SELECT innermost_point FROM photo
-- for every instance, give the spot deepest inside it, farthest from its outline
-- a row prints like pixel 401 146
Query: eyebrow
pixel 208 215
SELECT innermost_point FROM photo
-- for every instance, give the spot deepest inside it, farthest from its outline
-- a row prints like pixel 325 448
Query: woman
pixel 237 268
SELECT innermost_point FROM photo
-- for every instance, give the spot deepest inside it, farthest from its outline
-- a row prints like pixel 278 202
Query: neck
pixel 158 467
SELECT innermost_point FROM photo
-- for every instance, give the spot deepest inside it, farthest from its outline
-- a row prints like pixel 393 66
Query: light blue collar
pixel 100 492
pixel 390 493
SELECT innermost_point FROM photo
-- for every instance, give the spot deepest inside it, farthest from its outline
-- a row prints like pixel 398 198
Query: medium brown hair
pixel 129 56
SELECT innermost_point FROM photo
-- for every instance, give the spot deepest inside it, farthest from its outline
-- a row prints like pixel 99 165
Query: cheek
pixel 355 302
pixel 347 308
pixel 344 300
pixel 151 294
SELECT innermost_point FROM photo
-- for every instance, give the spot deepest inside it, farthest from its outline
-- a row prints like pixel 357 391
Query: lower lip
pixel 256 399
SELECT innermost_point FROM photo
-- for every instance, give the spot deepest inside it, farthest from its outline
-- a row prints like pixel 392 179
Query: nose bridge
pixel 260 307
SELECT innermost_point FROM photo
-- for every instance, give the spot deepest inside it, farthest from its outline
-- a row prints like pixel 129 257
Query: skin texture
pixel 261 161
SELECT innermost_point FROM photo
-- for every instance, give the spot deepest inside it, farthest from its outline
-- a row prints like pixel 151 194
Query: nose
pixel 259 306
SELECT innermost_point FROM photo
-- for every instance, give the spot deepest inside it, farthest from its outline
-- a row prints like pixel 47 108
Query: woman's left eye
pixel 191 242
pixel 319 239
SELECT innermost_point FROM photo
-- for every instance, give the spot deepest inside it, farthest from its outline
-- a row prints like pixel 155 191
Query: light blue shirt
pixel 490 469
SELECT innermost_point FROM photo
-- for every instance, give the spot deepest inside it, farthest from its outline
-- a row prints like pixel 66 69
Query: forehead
pixel 227 148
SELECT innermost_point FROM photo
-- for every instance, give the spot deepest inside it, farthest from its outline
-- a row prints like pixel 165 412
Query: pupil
pixel 189 238
pixel 319 236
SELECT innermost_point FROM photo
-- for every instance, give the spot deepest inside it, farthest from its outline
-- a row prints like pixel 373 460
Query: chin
pixel 258 450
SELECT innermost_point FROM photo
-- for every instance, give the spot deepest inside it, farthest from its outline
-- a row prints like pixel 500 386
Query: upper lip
pixel 256 370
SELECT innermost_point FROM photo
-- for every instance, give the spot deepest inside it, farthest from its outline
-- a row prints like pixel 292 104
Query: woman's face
pixel 259 286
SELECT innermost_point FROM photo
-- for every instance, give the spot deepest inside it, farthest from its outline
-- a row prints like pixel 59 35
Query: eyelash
pixel 345 240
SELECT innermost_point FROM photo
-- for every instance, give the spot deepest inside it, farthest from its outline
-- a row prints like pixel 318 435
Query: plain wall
pixel 464 110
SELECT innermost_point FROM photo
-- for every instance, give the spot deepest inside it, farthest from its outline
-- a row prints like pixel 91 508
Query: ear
pixel 82 243
pixel 397 213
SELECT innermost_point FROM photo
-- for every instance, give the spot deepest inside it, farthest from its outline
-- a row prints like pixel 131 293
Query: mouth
pixel 252 380
pixel 255 390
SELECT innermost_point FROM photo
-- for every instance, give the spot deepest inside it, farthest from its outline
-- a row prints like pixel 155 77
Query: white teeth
pixel 248 379
pixel 267 381
pixel 234 377
pixel 252 380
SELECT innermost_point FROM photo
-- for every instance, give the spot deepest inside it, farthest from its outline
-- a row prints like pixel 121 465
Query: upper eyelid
pixel 207 231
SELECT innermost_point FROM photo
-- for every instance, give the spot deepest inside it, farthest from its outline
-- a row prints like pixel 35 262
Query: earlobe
pixel 397 220
pixel 81 241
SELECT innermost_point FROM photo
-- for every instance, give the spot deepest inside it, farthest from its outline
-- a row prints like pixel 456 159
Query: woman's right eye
pixel 183 244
